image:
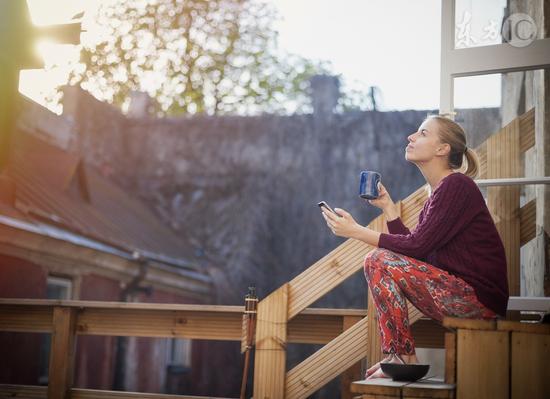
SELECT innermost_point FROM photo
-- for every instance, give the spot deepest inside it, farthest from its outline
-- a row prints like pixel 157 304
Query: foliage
pixel 195 56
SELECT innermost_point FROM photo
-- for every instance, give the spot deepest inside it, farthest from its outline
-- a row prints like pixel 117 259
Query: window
pixel 56 288
pixel 59 288
pixel 179 352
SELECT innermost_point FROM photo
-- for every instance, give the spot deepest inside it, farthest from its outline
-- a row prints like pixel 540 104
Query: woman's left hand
pixel 343 225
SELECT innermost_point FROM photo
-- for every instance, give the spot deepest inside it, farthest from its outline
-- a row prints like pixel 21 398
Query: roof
pixel 58 188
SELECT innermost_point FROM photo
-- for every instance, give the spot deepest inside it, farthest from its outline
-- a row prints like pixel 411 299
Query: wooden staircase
pixel 500 157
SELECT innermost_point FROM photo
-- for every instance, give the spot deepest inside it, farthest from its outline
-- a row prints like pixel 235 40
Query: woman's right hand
pixel 384 200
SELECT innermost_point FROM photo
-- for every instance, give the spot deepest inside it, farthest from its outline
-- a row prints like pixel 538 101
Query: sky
pixel 392 44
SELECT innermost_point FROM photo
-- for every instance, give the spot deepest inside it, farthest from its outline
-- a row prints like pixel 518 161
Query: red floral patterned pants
pixel 393 277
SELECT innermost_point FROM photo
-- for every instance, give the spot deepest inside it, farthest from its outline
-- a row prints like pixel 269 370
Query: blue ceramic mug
pixel 368 187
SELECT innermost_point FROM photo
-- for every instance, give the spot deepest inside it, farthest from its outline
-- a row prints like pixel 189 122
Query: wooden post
pixel 374 349
pixel 354 372
pixel 373 335
pixel 271 339
pixel 450 358
pixel 483 364
pixel 62 353
pixel 503 160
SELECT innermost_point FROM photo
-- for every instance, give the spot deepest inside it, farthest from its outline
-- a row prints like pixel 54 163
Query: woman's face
pixel 424 144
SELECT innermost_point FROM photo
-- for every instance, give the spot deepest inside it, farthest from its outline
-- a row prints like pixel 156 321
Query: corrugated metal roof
pixel 58 188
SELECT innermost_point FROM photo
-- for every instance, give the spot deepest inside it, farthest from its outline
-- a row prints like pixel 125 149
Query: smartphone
pixel 325 205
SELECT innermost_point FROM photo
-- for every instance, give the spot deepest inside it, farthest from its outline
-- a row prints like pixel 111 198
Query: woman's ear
pixel 444 149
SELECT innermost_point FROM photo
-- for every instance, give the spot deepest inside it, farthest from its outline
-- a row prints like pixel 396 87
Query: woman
pixel 453 262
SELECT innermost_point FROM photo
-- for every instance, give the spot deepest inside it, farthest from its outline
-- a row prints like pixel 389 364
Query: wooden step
pixel 385 388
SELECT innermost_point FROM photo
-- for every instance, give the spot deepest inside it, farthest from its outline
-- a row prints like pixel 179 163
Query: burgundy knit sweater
pixel 456 233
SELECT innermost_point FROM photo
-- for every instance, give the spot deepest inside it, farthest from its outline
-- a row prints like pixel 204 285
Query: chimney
pixel 141 105
pixel 325 92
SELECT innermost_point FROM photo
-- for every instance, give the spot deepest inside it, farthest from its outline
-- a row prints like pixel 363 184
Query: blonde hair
pixel 453 134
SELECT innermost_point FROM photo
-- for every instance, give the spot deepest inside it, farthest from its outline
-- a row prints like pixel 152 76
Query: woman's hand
pixel 384 200
pixel 343 224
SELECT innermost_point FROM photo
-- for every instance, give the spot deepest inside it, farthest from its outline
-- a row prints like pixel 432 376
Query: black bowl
pixel 405 372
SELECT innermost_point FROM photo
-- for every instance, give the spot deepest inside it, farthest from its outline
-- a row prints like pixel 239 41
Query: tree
pixel 195 56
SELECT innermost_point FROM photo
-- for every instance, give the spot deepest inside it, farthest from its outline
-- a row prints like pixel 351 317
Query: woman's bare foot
pixel 376 367
pixel 376 372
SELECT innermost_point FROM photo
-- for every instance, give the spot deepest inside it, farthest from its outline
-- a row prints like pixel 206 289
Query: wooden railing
pixel 66 320
pixel 283 317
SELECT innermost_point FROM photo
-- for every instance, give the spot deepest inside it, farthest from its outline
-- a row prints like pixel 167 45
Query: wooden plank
pixel 40 392
pixel 503 160
pixel 432 389
pixel 8 303
pixel 23 391
pixel 325 274
pixel 481 152
pixel 271 339
pixel 530 371
pixel 428 333
pixel 483 364
pixel 374 349
pixel 354 372
pixel 311 329
pixel 470 324
pixel 527 130
pixel 62 353
pixel 527 216
pixel 77 393
pixel 26 318
pixel 314 326
pixel 378 386
pixel 516 326
pixel 328 362
pixel 157 323
pixel 121 305
pixel 450 358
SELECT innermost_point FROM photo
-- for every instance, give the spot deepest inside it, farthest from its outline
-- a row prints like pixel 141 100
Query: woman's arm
pixel 344 225
pixel 448 212
pixel 367 235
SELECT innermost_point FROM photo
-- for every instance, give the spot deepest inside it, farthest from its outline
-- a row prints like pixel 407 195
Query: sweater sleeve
pixel 444 217
pixel 396 226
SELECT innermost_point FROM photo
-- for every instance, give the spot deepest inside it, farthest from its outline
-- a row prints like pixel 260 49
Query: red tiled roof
pixel 58 188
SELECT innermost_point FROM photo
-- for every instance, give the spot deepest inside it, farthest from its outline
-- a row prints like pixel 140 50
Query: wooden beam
pixel 25 318
pixel 503 160
pixel 271 340
pixel 40 392
pixel 530 371
pixel 62 353
pixel 483 364
pixel 527 222
pixel 23 391
pixel 428 333
pixel 325 274
pixel 77 393
pixel 527 129
pixel 354 372
pixel 374 351
pixel 328 362
pixel 157 323
pixel 450 358
pixel 312 326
